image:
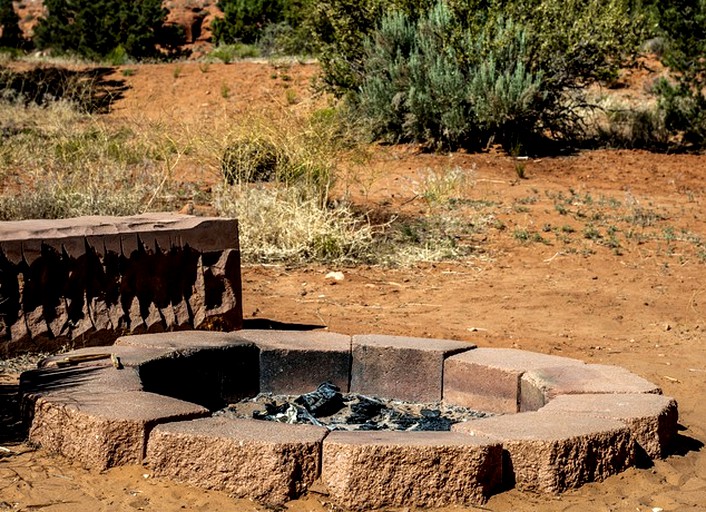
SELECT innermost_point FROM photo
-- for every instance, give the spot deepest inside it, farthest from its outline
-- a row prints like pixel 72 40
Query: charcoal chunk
pixel 364 410
pixel 432 420
pixel 325 401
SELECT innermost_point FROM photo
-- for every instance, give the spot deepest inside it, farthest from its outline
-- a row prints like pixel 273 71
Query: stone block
pixel 91 279
pixel 400 367
pixel 652 419
pixel 264 461
pixel 80 379
pixel 102 430
pixel 179 340
pixel 212 376
pixel 551 453
pixel 488 379
pixel 77 380
pixel 295 362
pixel 370 470
pixel 23 239
pixel 128 356
pixel 537 387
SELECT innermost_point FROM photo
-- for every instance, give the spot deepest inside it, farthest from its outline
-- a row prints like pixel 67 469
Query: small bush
pixel 95 28
pixel 12 36
pixel 425 81
pixel 243 20
pixel 464 74
pixel 251 160
pixel 117 56
pixel 278 39
pixel 340 29
pixel 276 27
pixel 227 53
pixel 684 108
pixel 682 99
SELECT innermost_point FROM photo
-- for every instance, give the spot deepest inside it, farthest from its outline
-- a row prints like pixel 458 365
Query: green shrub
pixel 509 71
pixel 243 20
pixel 681 98
pixel 277 27
pixel 95 28
pixel 227 53
pixel 12 36
pixel 429 82
pixel 278 39
pixel 340 29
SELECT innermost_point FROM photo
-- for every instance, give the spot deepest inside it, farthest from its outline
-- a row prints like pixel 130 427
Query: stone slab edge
pixel 364 470
pixel 538 387
pixel 23 239
pixel 488 379
pixel 651 418
pixel 548 452
pixel 100 429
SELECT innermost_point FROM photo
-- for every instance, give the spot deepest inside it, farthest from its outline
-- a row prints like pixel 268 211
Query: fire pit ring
pixel 149 399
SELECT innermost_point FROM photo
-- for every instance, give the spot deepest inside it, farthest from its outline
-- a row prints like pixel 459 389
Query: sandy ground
pixel 633 295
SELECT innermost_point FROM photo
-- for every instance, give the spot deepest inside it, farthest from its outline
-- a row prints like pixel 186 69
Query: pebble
pixel 335 277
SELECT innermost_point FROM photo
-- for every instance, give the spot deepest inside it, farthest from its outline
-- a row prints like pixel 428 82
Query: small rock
pixel 187 209
pixel 335 277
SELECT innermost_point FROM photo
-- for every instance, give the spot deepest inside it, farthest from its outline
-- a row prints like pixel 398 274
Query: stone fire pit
pixel 149 399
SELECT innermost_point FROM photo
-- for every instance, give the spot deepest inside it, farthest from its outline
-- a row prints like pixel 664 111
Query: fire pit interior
pixel 327 407
pixel 378 420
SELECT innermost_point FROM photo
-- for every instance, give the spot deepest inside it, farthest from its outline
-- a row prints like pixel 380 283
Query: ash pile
pixel 328 407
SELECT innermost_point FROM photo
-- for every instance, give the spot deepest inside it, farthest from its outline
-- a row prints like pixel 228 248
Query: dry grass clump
pixel 57 162
pixel 276 176
pixel 289 151
pixel 289 224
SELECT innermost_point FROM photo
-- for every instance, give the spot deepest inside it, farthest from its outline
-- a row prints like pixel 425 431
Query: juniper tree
pixel 9 21
pixel 94 28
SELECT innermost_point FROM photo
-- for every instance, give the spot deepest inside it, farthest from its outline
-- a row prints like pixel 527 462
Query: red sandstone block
pixel 366 470
pixel 540 386
pixel 294 362
pixel 74 380
pixel 264 461
pixel 548 452
pixel 217 301
pixel 128 356
pixel 212 376
pixel 101 430
pixel 80 379
pixel 488 379
pixel 180 340
pixel 400 367
pixel 23 239
pixel 652 419
pixel 185 271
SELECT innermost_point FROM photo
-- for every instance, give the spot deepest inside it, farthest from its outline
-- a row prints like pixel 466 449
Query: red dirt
pixel 630 295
